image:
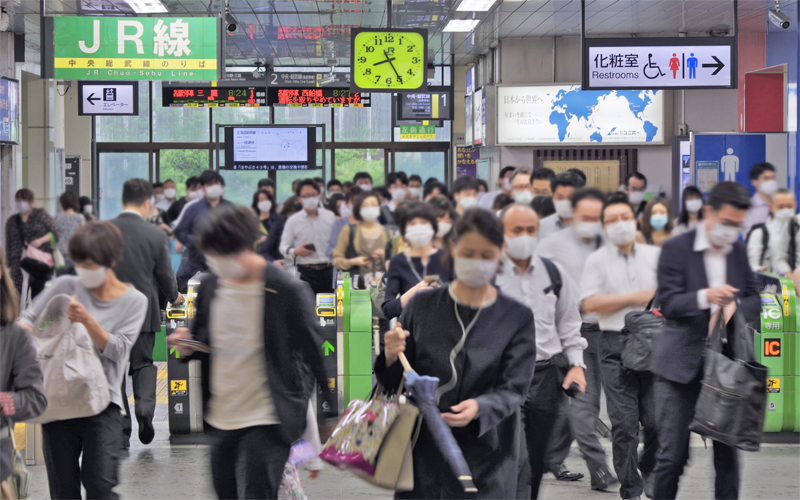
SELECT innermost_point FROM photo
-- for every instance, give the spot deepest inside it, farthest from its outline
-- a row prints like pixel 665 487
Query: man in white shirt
pixel 305 238
pixel 504 187
pixel 563 185
pixel 526 278
pixel 773 245
pixel 618 279
pixel 762 177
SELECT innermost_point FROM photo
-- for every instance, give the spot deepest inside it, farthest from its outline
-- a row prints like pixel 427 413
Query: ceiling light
pixel 475 5
pixel 461 25
pixel 147 6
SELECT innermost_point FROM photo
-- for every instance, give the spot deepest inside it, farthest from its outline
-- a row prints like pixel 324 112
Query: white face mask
pixel 693 206
pixel 621 233
pixel 768 187
pixel 170 193
pixel 636 197
pixel 474 272
pixel 345 211
pixel 191 195
pixel 161 197
pixel 366 188
pixel 226 267
pixel 398 194
pixel 443 229
pixel 523 197
pixel 310 203
pixel 92 278
pixel 264 206
pixel 414 192
pixel 521 247
pixel 370 214
pixel 23 207
pixel 468 202
pixel 586 229
pixel 722 235
pixel 563 208
pixel 784 214
pixel 506 184
pixel 88 209
pixel 419 235
pixel 215 191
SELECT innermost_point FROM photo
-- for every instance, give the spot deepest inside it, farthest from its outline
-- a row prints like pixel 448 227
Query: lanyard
pixel 414 269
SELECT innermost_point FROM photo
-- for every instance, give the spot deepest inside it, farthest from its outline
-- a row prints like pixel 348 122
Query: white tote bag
pixel 74 381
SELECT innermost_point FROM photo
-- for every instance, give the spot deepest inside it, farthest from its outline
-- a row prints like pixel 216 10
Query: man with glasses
pixel 701 273
pixel 521 186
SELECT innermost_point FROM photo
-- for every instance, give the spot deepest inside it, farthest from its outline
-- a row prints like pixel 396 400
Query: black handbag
pixel 733 397
pixel 637 338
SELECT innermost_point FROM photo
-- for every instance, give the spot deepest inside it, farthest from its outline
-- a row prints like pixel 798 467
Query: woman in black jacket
pixel 269 249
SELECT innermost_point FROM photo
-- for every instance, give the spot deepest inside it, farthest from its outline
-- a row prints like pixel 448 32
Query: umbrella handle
pixel 402 355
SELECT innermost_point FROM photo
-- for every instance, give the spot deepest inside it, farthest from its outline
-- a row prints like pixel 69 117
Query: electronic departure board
pixel 320 97
pixel 429 106
pixel 270 148
pixel 213 97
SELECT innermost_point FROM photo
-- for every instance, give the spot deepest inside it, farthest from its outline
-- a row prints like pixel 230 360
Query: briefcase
pixel 637 338
pixel 733 396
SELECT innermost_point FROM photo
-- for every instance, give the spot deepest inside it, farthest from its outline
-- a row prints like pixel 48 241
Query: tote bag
pixel 733 397
pixel 74 381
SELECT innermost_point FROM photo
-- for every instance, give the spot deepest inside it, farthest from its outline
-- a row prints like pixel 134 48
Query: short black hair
pixel 637 175
pixel 501 201
pixel 209 177
pixel 418 210
pixel 383 191
pixel 352 193
pixel 618 198
pixel 431 186
pixel 580 173
pixel 505 170
pixel 429 180
pixel 269 196
pixel 333 202
pixel 227 230
pixel 729 193
pixel 265 182
pixel 291 206
pixel 483 183
pixel 463 183
pixel 760 168
pixel 319 180
pixel 544 206
pixel 362 175
pixel 542 173
pixel 158 185
pixel 587 194
pixel 85 200
pixel 397 176
pixel 334 182
pixel 306 182
pixel 565 179
pixel 24 194
pixel 191 182
pixel 475 220
pixel 414 177
pixel 168 180
pixel 347 184
pixel 683 218
pixel 360 199
pixel 70 200
pixel 97 241
pixel 442 206
pixel 136 191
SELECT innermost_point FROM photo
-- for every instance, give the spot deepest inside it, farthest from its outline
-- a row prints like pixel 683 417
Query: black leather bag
pixel 733 396
pixel 637 338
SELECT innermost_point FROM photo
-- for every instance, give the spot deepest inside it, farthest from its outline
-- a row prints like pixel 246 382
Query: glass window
pixel 239 116
pixel 306 116
pixel 178 124
pixel 115 169
pixel 365 124
pixel 351 161
pixel 286 177
pixel 241 185
pixel 180 164
pixel 442 134
pixel 127 128
pixel 425 164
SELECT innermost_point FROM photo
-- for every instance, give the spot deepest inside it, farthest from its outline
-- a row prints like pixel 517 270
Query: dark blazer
pixel 292 347
pixel 678 354
pixel 146 264
pixel 269 249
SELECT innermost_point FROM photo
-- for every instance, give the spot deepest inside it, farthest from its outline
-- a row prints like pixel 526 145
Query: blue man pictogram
pixel 691 63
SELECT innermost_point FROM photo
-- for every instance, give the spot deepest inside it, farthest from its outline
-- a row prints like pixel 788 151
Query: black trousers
pixel 630 400
pixel 144 375
pixel 539 416
pixel 674 411
pixel 320 280
pixel 248 463
pixel 97 438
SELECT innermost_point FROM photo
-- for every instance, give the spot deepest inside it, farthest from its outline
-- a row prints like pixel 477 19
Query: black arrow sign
pixel 718 65
pixel 92 98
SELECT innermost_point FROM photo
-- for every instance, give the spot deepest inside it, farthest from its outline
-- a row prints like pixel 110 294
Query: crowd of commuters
pixel 514 298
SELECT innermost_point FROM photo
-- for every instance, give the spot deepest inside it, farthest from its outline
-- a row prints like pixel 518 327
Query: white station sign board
pixel 108 98
pixel 661 63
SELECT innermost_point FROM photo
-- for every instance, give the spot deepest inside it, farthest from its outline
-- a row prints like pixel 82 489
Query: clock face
pixel 389 60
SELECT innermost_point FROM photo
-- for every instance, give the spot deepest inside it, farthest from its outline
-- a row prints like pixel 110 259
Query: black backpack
pixel 555 277
pixel 793 228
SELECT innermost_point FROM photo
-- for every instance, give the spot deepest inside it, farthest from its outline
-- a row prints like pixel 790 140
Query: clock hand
pixel 384 62
pixel 399 78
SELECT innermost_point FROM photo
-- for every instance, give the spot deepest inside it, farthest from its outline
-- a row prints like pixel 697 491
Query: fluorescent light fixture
pixel 475 5
pixel 147 6
pixel 461 25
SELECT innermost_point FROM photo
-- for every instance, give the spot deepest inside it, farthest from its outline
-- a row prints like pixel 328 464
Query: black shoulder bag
pixel 637 337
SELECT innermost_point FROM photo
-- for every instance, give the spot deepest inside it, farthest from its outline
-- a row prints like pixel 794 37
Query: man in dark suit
pixel 701 274
pixel 147 266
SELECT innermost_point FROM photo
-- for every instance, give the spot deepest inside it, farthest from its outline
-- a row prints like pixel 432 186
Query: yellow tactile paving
pixel 162 394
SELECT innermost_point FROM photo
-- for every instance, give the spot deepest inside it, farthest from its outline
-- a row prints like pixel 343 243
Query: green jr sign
pixel 135 48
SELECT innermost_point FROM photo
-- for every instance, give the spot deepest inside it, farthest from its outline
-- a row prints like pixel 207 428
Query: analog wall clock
pixel 388 60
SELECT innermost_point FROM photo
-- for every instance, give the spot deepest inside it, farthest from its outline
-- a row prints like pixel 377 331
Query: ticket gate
pixel 776 348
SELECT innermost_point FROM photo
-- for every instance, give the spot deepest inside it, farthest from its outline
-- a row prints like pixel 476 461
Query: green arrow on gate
pixel 328 348
pixel 177 353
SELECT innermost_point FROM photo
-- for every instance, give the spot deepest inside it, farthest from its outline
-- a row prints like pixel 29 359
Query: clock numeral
pixel 415 60
pixel 378 41
pixel 388 81
pixel 411 72
pixel 368 71
pixel 411 48
pixel 377 78
pixel 370 49
pixel 362 59
pixel 388 39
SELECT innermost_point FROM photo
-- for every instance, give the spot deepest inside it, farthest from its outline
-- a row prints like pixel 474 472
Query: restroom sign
pixel 659 63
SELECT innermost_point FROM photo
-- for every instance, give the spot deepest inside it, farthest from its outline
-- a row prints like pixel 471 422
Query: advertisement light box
pixel 270 148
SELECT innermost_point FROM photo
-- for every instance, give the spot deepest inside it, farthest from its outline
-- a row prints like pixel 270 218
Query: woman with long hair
pixel 656 224
pixel 691 210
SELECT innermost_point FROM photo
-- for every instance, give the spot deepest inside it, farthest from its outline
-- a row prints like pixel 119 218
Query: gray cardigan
pixel 21 375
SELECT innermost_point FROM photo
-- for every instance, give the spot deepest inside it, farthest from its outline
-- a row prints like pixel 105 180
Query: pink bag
pixel 39 255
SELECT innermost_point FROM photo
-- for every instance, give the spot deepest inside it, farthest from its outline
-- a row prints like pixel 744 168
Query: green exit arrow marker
pixel 176 352
pixel 328 348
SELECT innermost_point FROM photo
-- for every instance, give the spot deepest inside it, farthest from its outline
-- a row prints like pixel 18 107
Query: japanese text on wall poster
pixel 602 174
pixel 466 161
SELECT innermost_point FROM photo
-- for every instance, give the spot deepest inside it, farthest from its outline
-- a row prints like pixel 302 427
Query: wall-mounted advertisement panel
pixel 659 63
pixel 478 121
pixel 559 115
pixel 468 120
pixel 9 111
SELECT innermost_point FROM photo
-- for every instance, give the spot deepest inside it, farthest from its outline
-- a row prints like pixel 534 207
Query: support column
pixel 40 174
pixel 8 156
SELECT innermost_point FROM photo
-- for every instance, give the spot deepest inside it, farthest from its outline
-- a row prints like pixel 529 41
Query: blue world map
pixel 576 104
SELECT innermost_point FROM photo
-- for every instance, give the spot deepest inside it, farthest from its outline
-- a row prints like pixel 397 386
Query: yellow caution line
pixel 162 394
